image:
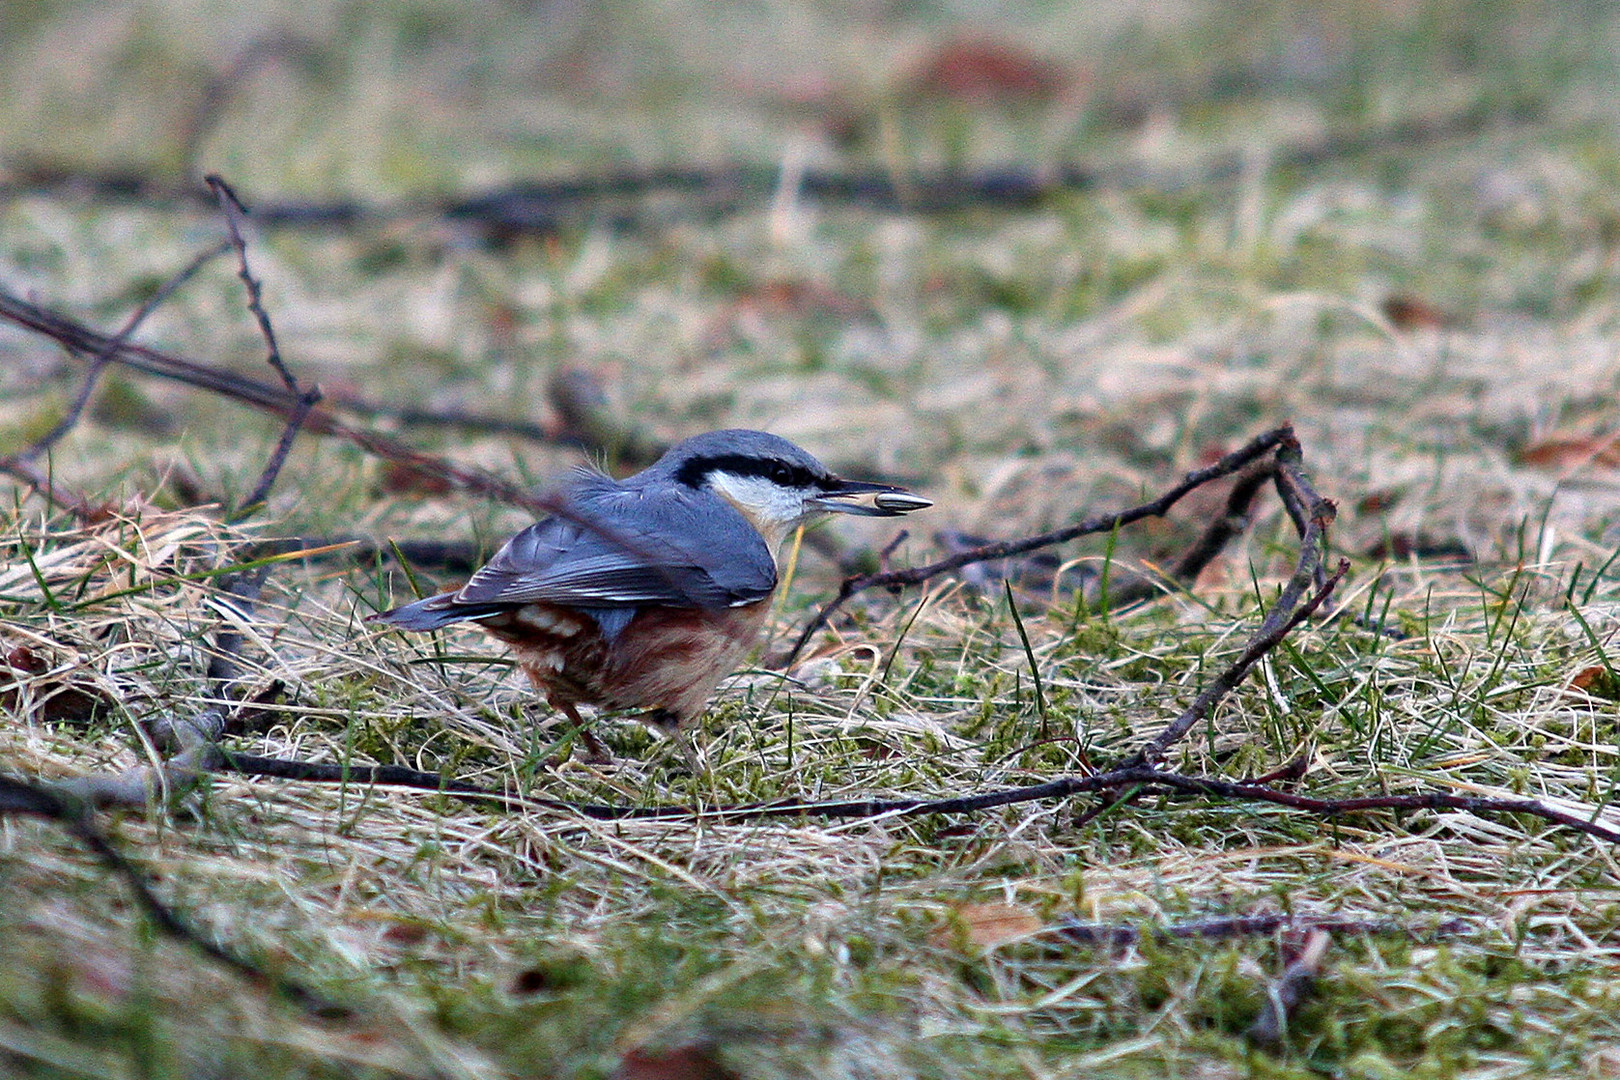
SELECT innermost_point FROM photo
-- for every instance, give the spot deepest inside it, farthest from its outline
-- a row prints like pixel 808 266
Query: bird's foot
pixel 596 752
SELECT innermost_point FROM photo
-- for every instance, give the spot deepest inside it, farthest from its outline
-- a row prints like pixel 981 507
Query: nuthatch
pixel 644 593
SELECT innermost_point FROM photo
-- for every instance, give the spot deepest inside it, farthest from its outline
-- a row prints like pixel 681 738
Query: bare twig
pixel 1288 611
pixel 304 400
pixel 1226 928
pixel 23 797
pixel 57 494
pixel 1140 777
pixel 1284 996
pixel 22 465
pixel 186 745
pixel 1279 621
pixel 106 356
pixel 264 396
pixel 1100 523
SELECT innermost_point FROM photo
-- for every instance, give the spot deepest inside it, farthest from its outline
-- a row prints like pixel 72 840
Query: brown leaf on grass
pixel 1410 545
pixel 1377 502
pixel 782 298
pixel 1410 313
pixel 1560 452
pixel 984 926
pixel 786 296
pixel 693 1061
pixel 1596 680
pixel 399 478
pixel 57 701
pixel 980 69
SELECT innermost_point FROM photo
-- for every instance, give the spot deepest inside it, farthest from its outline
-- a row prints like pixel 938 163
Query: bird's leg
pixel 690 751
pixel 669 724
pixel 595 752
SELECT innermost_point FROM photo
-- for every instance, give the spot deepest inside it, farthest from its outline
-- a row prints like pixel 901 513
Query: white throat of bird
pixel 770 507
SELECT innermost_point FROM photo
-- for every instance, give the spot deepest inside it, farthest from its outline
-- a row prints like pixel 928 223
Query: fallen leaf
pixel 694 1061
pixel 57 701
pixel 1597 680
pixel 399 478
pixel 1377 502
pixel 980 69
pixel 984 926
pixel 1410 313
pixel 1569 452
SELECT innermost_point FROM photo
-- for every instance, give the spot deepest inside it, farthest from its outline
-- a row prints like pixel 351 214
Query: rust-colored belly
pixel 666 658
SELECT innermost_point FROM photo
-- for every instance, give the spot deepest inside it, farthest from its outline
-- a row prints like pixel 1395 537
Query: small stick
pixel 1284 996
pixel 57 494
pixel 1220 532
pixel 1225 928
pixel 267 397
pixel 1101 523
pixel 22 465
pixel 1279 622
pixel 21 797
pixel 1287 613
pixel 110 351
pixel 305 400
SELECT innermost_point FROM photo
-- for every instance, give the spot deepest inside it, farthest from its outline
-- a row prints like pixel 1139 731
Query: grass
pixel 1021 368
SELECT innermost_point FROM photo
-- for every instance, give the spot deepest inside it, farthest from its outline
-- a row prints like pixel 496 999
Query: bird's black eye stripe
pixel 693 472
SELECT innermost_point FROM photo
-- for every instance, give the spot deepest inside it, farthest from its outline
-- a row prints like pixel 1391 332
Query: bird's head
pixel 774 483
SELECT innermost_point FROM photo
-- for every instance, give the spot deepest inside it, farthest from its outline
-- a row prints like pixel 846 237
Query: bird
pixel 643 593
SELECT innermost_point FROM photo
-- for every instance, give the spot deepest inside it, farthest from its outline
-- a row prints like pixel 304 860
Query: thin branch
pixel 186 745
pixel 57 494
pixel 23 797
pixel 1100 523
pixel 305 400
pixel 266 397
pixel 106 356
pixel 1278 623
pixel 1287 613
pixel 22 465
pixel 1220 532
pixel 1226 928
pixel 235 214
pixel 1143 777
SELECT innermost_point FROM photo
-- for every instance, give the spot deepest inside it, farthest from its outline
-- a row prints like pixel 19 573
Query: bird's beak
pixel 868 500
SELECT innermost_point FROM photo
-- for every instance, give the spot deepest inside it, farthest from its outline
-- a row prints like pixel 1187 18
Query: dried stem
pixel 304 400
pixel 23 797
pixel 1100 523
pixel 22 465
pixel 266 397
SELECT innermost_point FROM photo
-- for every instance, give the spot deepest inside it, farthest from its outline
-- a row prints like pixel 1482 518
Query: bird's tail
pixel 436 611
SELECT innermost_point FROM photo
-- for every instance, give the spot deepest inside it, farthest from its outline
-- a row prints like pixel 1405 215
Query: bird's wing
pixel 628 547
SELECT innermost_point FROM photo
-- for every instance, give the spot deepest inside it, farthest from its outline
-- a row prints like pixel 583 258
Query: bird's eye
pixel 782 473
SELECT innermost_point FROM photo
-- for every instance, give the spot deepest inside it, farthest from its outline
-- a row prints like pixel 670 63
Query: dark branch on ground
pixel 1100 523
pixel 22 465
pixel 1226 928
pixel 653 199
pixel 1145 780
pixel 266 397
pixel 304 400
pixel 24 797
